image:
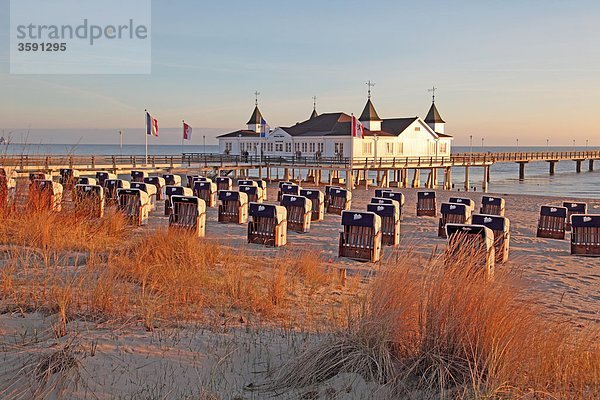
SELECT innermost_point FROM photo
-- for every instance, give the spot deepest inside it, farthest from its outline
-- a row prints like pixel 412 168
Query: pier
pixel 389 171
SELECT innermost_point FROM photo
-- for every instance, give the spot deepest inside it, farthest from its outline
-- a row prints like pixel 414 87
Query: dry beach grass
pixel 77 294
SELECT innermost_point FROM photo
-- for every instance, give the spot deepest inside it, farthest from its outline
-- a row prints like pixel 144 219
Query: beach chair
pixel 453 213
pixel 268 225
pixel 189 213
pixel 263 188
pixel 254 193
pixel 86 180
pixel 426 204
pixel 206 191
pixel 360 238
pixel 45 195
pixel 463 200
pixel 492 206
pixel 585 235
pixel 279 192
pixel 247 182
pixel 192 178
pixel 328 189
pixel 390 221
pixel 68 178
pixel 223 183
pixel 500 227
pixel 7 188
pixel 379 192
pixel 299 210
pixel 172 180
pixel 339 200
pixel 175 191
pixel 472 241
pixel 399 197
pixel 552 223
pixel 233 207
pixel 103 176
pixel 134 204
pixel 572 209
pixel 111 186
pixel 317 200
pixel 39 176
pixel 89 200
pixel 382 200
pixel 159 183
pixel 290 188
pixel 138 176
pixel 149 189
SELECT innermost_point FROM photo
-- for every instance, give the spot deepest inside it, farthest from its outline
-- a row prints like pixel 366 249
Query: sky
pixel 504 70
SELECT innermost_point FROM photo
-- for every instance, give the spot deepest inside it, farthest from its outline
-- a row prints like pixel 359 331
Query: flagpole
pixel 146 134
pixel 121 141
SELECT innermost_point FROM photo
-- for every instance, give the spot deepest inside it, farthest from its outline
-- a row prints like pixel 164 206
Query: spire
pixel 256 117
pixel 314 112
pixel 369 113
pixel 433 116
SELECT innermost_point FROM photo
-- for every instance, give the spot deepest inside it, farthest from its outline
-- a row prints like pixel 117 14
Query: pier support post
pixel 417 178
pixel 349 179
pixel 522 170
pixel 448 178
pixel 486 174
pixel 467 180
pixel 286 174
pixel 552 167
pixel 404 175
pixel 591 165
pixel 578 166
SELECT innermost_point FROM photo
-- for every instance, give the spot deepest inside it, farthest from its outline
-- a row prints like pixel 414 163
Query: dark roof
pixel 240 133
pixel 314 114
pixel 433 116
pixel 369 113
pixel 397 125
pixel 256 117
pixel 329 124
pixel 443 134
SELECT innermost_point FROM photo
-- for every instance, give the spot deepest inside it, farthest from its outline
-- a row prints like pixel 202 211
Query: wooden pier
pixel 389 171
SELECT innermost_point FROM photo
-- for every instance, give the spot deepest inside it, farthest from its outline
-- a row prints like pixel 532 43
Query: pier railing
pixel 224 160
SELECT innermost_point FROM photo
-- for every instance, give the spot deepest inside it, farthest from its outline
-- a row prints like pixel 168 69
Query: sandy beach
pixel 217 361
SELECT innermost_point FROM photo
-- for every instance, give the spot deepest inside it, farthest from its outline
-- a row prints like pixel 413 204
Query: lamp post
pixel 517 145
pixel 482 140
pixel 204 144
pixel 547 144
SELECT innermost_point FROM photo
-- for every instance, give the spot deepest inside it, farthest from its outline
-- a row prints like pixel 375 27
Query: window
pixel 417 128
pixel 296 146
pixel 431 148
pixel 242 146
pixel 228 147
pixel 312 147
pixel 321 147
pixel 279 147
pixel 288 147
pixel 367 148
pixel 304 148
pixel 389 148
pixel 400 148
pixel 443 148
pixel 270 147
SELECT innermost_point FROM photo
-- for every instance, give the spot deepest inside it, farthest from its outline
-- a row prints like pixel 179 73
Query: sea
pixel 565 183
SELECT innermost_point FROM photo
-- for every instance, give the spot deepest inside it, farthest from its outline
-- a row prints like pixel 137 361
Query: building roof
pixel 369 113
pixel 433 116
pixel 256 117
pixel 397 125
pixel 241 133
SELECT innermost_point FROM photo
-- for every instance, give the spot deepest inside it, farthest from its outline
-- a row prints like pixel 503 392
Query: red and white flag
pixel 187 131
pixel 151 125
pixel 358 129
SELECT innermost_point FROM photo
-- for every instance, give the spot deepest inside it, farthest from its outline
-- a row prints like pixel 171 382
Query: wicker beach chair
pixel 463 200
pixel 379 192
pixel 138 176
pixel 585 235
pixel 223 183
pixel 159 183
pixel 175 191
pixel 280 185
pixel 299 211
pixel 89 200
pixel 134 204
pixel 149 189
pixel 361 237
pixel 103 176
pixel 552 223
pixel 426 204
pixel 492 206
pixel 390 221
pixel 68 178
pixel 453 213
pixel 500 227
pixel 45 195
pixel 206 191
pixel 328 189
pixel 111 186
pixel 268 225
pixel 290 188
pixel 317 200
pixel 472 241
pixel 189 214
pixel 572 209
pixel 399 197
pixel 86 180
pixel 233 207
pixel 39 176
pixel 253 192
pixel 172 180
pixel 7 188
pixel 339 200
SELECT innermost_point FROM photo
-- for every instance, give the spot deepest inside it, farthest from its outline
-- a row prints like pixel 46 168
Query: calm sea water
pixel 504 179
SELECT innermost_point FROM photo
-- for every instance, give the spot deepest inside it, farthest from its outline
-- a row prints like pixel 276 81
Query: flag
pixel 151 125
pixel 358 130
pixel 264 128
pixel 187 131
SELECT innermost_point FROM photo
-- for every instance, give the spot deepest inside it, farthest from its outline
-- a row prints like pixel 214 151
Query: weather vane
pixel 432 90
pixel 256 94
pixel 314 102
pixel 370 85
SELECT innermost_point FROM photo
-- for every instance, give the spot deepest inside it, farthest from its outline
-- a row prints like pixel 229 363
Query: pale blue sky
pixel 504 69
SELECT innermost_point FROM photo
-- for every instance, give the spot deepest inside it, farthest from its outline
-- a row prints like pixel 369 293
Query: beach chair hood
pixel 361 218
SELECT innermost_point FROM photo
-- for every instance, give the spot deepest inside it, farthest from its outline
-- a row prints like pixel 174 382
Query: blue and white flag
pixel 151 125
pixel 264 128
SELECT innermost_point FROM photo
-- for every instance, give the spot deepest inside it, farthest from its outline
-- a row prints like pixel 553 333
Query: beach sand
pixel 193 361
